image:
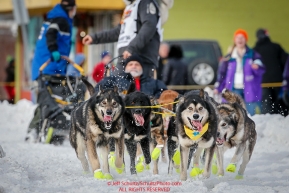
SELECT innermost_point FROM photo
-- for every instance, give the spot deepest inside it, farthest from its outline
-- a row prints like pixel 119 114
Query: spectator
pixel 163 53
pixel 54 39
pixel 134 72
pixel 285 84
pixel 10 78
pixel 241 72
pixel 99 68
pixel 273 58
pixel 175 71
pixel 71 71
pixel 139 32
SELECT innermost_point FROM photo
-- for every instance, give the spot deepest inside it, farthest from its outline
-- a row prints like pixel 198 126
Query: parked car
pixel 202 58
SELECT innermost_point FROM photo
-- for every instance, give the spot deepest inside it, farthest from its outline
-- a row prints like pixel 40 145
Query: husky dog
pixel 93 123
pixel 197 128
pixel 166 99
pixel 157 143
pixel 235 129
pixel 137 125
pixel 173 142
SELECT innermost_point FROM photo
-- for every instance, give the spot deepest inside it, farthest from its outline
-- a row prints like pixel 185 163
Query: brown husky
pixel 235 129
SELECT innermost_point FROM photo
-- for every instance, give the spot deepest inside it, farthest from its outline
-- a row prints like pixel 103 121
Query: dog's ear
pixel 202 93
pixel 115 89
pixel 100 90
pixel 88 86
pixel 153 100
pixel 180 102
pixel 181 99
pixel 131 88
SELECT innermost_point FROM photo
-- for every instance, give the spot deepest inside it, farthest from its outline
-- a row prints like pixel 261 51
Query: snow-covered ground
pixel 47 168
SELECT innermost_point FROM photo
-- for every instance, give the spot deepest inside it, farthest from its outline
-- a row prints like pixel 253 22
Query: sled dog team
pixel 190 127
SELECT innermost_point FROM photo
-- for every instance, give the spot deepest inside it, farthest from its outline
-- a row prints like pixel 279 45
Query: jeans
pixel 252 107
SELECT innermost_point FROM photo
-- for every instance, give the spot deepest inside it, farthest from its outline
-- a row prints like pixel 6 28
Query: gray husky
pixel 235 129
pixel 93 123
pixel 197 128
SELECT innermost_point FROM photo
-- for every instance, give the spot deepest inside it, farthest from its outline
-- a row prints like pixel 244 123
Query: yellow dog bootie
pixel 107 176
pixel 196 171
pixel 156 152
pixel 177 160
pixel 140 166
pixel 98 174
pixel 177 157
pixel 231 168
pixel 111 159
pixel 239 176
pixel 120 170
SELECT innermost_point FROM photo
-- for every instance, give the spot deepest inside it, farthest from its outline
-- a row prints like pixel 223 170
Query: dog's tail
pixel 88 86
pixel 233 98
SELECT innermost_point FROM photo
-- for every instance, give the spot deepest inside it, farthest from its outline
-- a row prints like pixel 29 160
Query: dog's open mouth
pixel 139 120
pixel 107 119
pixel 196 124
pixel 220 140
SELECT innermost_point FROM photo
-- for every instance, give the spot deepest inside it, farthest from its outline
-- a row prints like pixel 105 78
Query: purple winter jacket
pixel 252 78
pixel 285 82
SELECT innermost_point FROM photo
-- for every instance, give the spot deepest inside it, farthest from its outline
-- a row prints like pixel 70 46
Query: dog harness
pixel 195 135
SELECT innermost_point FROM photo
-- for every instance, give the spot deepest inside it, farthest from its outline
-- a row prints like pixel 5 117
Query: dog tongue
pixel 198 125
pixel 106 118
pixel 139 118
pixel 219 140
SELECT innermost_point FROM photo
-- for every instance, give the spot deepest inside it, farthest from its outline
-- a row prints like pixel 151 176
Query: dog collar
pixel 195 135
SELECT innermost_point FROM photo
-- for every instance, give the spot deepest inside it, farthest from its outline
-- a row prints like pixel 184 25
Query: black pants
pixel 272 103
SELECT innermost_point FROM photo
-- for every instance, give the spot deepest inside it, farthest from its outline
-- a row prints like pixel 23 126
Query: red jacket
pixel 98 72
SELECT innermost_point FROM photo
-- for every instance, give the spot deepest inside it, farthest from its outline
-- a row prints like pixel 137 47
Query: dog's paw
pixel 120 170
pixel 214 168
pixel 107 176
pixel 195 172
pixel 111 160
pixel 147 167
pixel 98 174
pixel 231 168
pixel 156 153
pixel 177 157
pixel 239 177
pixel 139 167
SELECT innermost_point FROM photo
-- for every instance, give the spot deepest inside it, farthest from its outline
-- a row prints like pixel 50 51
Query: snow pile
pixel 47 168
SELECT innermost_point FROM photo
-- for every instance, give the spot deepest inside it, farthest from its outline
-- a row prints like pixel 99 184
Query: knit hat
pixel 133 57
pixel 67 4
pixel 241 31
pixel 103 54
pixel 261 33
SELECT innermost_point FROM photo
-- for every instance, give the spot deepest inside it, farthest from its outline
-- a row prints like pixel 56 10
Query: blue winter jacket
pixel 55 35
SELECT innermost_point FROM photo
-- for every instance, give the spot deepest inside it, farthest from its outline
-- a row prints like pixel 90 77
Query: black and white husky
pixel 93 123
pixel 136 121
pixel 196 123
